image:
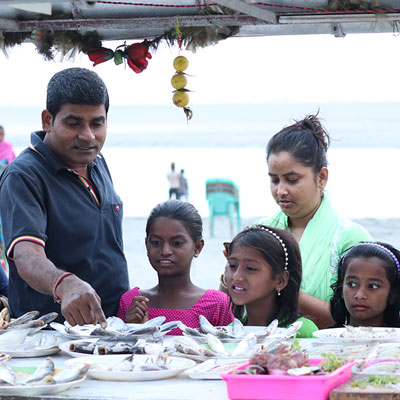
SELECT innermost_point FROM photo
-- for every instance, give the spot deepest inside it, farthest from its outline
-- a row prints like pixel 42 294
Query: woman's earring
pixel 279 291
pixel 196 254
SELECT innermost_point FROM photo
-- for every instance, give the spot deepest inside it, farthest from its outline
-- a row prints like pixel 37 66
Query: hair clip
pixel 277 237
pixel 379 246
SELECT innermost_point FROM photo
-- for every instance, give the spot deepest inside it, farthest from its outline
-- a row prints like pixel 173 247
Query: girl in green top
pixel 263 277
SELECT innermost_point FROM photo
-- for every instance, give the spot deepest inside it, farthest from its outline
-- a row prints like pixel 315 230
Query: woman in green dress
pixel 298 172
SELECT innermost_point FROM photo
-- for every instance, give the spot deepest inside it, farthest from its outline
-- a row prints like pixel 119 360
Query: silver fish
pixel 190 331
pixel 99 331
pixel 71 374
pixel 45 369
pixel 181 348
pixel 206 326
pixel 245 345
pixel 157 321
pixel 143 330
pixel 168 326
pixel 7 374
pixel 47 318
pixel 216 345
pixel 237 328
pixel 29 316
pixel 293 328
pixel 124 365
pixel 116 324
pixel 36 323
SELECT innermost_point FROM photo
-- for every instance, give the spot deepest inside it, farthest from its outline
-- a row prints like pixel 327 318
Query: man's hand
pixel 138 312
pixel 80 304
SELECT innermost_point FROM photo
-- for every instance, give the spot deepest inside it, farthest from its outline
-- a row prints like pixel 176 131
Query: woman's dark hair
pixel 368 250
pixel 182 211
pixel 306 141
pixel 270 248
pixel 75 86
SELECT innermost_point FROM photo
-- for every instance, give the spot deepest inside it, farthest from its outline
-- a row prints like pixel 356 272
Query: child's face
pixel 249 278
pixel 366 291
pixel 170 247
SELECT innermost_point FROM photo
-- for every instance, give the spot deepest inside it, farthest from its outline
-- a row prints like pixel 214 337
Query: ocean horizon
pixel 228 140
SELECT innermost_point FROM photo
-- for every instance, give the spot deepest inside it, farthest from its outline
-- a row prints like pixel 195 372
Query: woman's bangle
pixel 56 298
pixel 223 283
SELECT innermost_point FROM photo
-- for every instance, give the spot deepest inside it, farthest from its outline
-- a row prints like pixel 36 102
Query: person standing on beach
pixel 6 150
pixel 62 220
pixel 183 187
pixel 173 178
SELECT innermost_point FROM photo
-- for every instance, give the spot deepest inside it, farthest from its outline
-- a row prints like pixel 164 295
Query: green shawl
pixel 324 241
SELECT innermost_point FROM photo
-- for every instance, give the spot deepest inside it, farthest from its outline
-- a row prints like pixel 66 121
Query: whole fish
pixel 7 374
pixel 190 331
pixel 245 345
pixel 125 365
pixel 117 324
pixel 237 328
pixel 29 316
pixel 206 326
pixel 47 318
pixel 216 345
pixel 157 321
pixel 45 369
pixel 293 328
pixel 71 374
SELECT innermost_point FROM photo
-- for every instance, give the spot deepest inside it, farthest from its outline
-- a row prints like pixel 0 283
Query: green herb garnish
pixel 332 363
pixel 375 380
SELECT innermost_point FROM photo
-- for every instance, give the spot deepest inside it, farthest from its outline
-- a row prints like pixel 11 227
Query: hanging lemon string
pixel 179 81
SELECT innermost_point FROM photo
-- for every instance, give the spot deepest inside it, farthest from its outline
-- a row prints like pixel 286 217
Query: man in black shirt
pixel 62 220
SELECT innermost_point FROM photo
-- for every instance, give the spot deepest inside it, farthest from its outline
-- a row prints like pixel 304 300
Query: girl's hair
pixel 182 211
pixel 388 255
pixel 272 250
pixel 306 141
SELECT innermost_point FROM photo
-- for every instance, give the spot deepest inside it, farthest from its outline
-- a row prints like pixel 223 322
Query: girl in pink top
pixel 173 237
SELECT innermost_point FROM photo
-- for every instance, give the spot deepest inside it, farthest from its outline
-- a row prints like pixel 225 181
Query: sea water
pixel 229 141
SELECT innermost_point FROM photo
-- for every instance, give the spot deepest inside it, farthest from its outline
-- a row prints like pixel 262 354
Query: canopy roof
pixel 114 20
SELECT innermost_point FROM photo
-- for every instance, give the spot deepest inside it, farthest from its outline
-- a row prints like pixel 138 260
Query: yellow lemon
pixel 181 63
pixel 179 81
pixel 180 99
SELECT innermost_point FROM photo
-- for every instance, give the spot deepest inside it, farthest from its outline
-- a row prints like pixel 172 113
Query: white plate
pixel 36 345
pixel 85 331
pixel 212 369
pixel 64 346
pixel 258 330
pixel 360 334
pixel 175 367
pixel 34 390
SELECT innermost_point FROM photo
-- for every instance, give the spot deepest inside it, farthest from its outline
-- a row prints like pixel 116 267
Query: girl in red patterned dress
pixel 173 237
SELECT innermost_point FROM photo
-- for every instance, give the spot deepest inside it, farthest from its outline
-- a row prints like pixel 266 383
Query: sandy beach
pixel 207 268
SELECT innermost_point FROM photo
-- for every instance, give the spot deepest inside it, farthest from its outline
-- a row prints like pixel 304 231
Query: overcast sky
pixel 239 70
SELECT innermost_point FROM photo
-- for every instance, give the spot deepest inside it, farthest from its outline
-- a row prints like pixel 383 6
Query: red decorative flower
pixel 100 55
pixel 137 55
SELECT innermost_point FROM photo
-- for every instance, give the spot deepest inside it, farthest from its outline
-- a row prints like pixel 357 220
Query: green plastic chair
pixel 223 200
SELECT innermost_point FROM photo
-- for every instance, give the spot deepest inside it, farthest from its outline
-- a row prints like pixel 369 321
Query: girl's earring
pixel 279 291
pixel 196 254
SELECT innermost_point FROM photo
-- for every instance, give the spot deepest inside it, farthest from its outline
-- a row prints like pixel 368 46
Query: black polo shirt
pixel 43 201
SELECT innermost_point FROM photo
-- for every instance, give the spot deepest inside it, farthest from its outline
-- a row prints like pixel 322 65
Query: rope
pixel 305 9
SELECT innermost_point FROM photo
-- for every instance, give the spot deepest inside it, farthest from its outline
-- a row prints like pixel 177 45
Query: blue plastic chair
pixel 223 200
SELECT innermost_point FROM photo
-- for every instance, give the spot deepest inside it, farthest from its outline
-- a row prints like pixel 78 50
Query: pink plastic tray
pixel 285 387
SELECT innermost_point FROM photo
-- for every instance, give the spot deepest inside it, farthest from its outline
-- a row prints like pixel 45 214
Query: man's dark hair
pixel 75 86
